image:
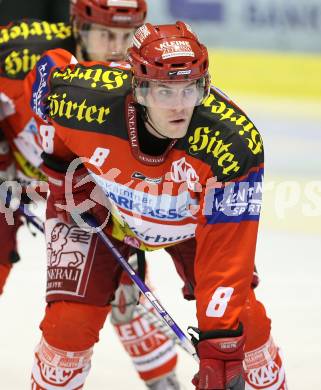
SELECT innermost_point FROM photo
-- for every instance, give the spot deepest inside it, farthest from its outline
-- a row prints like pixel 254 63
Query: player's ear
pixel 140 89
pixel 140 99
pixel 139 96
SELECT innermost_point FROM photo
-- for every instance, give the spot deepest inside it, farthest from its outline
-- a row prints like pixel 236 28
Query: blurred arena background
pixel 266 55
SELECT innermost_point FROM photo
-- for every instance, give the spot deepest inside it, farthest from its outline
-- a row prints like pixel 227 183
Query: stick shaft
pixel 184 341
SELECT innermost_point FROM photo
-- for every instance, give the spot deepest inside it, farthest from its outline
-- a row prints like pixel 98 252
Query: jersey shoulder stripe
pixel 36 84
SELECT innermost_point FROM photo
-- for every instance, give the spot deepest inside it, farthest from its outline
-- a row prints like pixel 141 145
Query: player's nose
pixel 118 45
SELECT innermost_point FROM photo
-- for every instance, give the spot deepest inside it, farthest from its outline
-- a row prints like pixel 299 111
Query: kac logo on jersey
pixel 182 171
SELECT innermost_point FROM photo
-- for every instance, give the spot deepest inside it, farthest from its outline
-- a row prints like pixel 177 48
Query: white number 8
pixel 99 156
pixel 47 134
pixel 219 301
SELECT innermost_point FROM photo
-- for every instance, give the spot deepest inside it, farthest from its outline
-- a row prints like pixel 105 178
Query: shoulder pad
pixel 23 42
pixel 223 136
pixel 87 96
pixel 96 76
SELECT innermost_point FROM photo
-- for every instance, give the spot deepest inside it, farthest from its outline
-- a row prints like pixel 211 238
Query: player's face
pixel 106 43
pixel 170 106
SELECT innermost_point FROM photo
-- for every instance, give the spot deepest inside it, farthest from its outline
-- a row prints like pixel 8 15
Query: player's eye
pixel 110 35
pixel 189 91
pixel 164 92
pixel 127 36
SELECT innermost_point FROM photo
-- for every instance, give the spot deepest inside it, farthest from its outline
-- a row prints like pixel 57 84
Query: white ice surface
pixel 288 259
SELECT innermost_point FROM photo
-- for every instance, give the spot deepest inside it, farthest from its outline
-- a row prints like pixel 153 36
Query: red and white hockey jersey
pixel 207 185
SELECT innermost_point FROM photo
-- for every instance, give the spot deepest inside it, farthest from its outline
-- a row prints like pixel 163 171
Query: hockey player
pixel 102 31
pixel 182 168
pixel 21 45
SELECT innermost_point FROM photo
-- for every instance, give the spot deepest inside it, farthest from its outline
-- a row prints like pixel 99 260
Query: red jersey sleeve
pixel 226 241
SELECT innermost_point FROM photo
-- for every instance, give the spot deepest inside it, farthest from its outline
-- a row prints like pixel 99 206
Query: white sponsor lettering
pixel 182 72
pixel 140 35
pixel 172 49
pixel 157 234
pixel 159 207
pixel 122 3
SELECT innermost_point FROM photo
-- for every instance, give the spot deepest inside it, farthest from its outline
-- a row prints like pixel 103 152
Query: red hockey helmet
pixel 168 53
pixel 110 13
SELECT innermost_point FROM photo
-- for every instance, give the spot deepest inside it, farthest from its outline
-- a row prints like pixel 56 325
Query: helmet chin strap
pixel 82 47
pixel 84 53
pixel 148 120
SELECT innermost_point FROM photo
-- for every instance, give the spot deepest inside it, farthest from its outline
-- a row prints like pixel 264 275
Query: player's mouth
pixel 177 121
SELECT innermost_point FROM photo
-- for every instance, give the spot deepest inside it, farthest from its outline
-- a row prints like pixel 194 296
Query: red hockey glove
pixel 221 356
pixel 71 195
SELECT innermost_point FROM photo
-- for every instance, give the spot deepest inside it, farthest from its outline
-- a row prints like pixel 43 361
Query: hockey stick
pixel 31 218
pixel 6 196
pixel 149 313
pixel 155 320
pixel 184 342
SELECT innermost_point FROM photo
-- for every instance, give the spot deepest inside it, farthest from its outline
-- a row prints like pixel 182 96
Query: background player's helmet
pixel 103 28
pixel 110 13
pixel 168 53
